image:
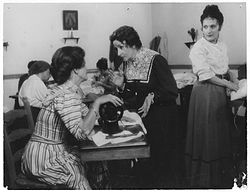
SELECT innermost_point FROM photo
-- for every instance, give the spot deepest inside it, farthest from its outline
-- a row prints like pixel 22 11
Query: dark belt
pixel 223 76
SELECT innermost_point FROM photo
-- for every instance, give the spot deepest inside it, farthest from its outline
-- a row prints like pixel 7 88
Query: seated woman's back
pixel 62 107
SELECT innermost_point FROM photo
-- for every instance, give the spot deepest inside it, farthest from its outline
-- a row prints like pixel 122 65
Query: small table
pixel 13 96
pixel 137 148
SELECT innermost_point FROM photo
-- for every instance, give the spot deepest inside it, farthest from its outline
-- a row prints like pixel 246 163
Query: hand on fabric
pixel 236 81
pixel 146 105
pixel 233 86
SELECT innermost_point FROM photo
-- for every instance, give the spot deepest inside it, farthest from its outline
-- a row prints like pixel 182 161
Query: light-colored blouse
pixel 209 59
pixel 35 90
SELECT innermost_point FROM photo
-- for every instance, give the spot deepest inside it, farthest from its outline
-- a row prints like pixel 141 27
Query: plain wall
pixel 35 31
pixel 175 19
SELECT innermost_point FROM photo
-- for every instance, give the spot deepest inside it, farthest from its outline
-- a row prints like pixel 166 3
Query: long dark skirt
pixel 208 142
pixel 161 124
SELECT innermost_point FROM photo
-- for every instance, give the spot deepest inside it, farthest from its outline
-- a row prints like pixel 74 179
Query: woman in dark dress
pixel 208 146
pixel 148 79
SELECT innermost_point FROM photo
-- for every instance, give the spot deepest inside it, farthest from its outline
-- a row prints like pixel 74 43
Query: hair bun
pixel 213 12
pixel 211 8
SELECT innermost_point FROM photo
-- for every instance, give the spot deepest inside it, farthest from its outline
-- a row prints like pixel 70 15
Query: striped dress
pixel 46 156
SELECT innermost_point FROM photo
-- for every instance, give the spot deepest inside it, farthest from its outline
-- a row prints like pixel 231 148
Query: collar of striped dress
pixel 58 90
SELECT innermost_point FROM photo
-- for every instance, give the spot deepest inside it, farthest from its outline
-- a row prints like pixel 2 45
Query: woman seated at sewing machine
pixel 47 157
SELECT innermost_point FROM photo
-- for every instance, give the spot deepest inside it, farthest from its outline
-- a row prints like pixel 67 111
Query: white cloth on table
pixel 242 92
pixel 128 118
pixel 101 138
pixel 135 119
pixel 184 79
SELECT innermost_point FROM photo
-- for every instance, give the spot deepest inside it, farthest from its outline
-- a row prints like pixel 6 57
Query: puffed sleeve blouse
pixel 209 59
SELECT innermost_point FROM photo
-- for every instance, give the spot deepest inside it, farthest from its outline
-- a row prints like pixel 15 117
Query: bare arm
pixel 88 122
pixel 78 119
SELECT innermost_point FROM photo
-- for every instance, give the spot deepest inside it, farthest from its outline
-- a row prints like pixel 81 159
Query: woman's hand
pixel 232 86
pixel 108 98
pixel 146 105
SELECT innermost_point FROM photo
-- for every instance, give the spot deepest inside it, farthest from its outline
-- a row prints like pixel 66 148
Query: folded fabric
pixel 125 139
pixel 123 133
pixel 132 118
pixel 242 92
pixel 184 79
pixel 101 138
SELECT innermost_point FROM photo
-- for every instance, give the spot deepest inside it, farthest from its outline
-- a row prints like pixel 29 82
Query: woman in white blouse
pixel 208 152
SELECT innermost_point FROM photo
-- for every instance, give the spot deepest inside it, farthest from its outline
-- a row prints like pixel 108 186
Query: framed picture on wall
pixel 70 20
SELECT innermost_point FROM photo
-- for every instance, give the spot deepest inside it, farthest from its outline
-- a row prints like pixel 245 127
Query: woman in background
pixel 149 80
pixel 47 157
pixel 103 77
pixel 208 145
pixel 34 87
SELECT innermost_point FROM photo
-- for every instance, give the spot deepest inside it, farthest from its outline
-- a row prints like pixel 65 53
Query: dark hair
pixel 102 64
pixel 64 60
pixel 128 34
pixel 31 63
pixel 213 12
pixel 39 67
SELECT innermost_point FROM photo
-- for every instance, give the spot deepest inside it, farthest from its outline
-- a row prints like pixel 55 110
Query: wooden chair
pixel 27 108
pixel 15 140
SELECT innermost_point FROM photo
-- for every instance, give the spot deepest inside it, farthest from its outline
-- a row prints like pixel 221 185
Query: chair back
pixel 15 138
pixel 27 108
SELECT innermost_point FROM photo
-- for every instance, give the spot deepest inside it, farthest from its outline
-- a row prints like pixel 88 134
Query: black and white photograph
pixel 70 20
pixel 126 95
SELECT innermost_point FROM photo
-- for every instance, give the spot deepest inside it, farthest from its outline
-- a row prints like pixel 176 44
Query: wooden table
pixel 137 148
